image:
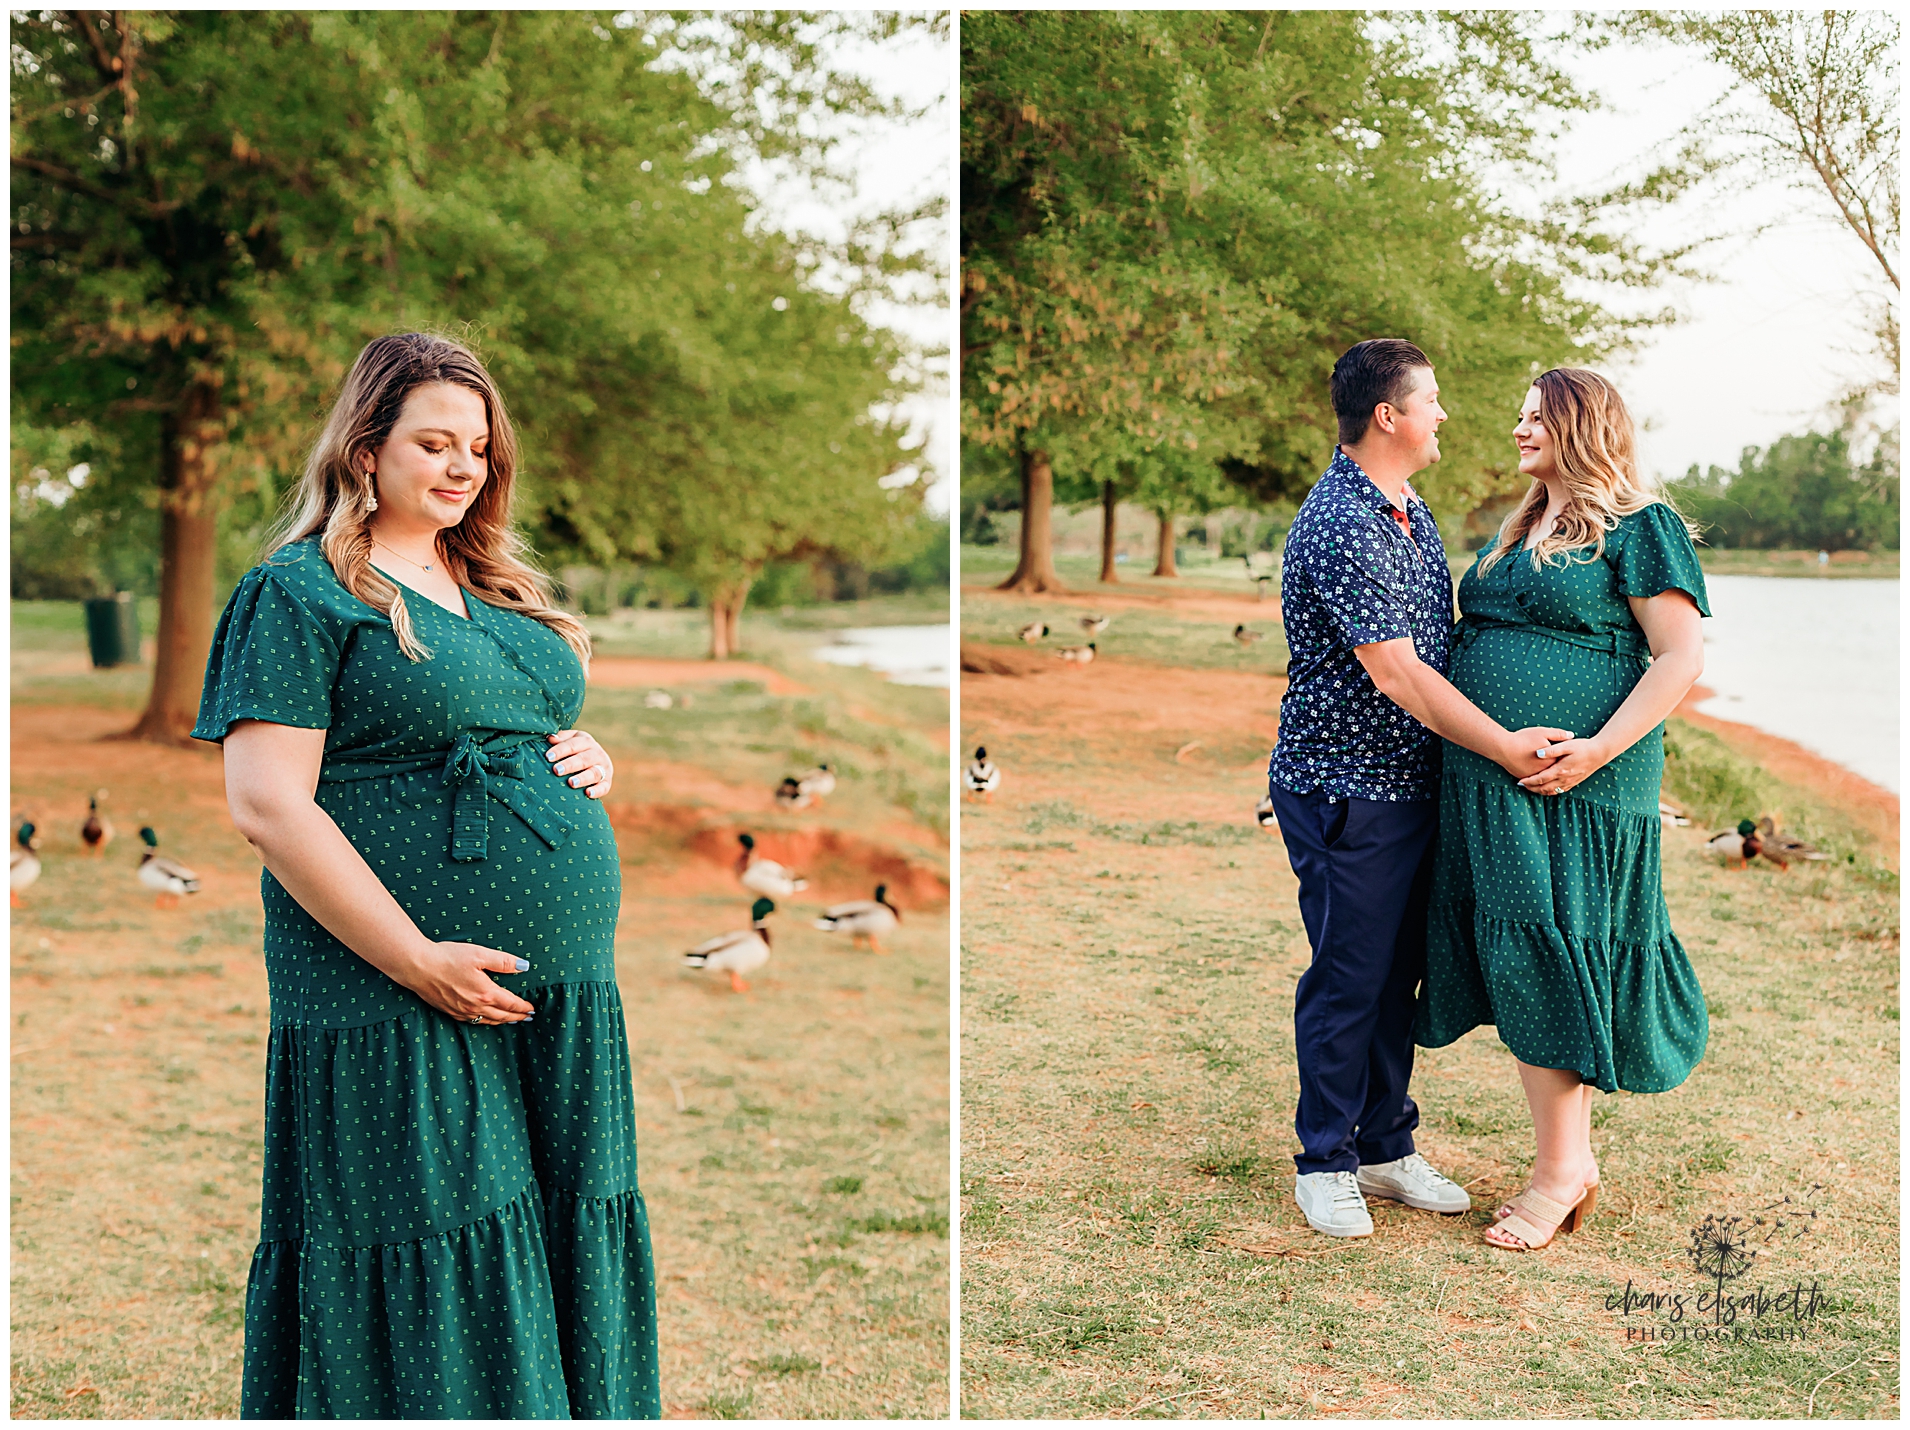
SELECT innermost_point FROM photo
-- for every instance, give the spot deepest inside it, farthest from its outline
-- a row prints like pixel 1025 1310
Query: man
pixel 1367 601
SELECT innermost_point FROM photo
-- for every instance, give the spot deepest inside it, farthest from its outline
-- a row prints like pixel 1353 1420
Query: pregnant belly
pixel 1520 678
pixel 556 908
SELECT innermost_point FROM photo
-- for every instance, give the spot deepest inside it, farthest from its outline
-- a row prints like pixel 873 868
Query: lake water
pixel 1814 661
pixel 908 655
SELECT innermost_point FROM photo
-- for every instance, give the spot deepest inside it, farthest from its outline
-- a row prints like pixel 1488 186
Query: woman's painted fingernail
pixel 523 964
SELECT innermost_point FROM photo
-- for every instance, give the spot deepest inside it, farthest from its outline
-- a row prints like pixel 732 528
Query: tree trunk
pixel 1164 562
pixel 733 620
pixel 188 544
pixel 719 626
pixel 1035 573
pixel 1107 532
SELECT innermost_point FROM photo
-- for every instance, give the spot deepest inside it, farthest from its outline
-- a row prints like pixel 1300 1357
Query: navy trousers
pixel 1365 870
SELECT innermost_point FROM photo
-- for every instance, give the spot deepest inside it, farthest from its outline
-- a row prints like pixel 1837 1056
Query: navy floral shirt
pixel 1353 576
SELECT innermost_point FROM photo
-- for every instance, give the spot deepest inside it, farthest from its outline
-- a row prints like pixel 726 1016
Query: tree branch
pixel 73 182
pixel 109 67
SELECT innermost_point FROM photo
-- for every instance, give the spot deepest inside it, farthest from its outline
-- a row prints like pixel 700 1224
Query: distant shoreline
pixel 1843 565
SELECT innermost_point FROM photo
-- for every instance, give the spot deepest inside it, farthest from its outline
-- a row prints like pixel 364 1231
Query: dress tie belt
pixel 479 776
pixel 1631 644
pixel 507 771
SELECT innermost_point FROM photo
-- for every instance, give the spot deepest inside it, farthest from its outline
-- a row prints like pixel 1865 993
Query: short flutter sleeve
pixel 271 660
pixel 1655 555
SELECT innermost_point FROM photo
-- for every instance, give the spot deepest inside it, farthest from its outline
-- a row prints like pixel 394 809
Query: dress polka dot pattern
pixel 1548 914
pixel 451 1226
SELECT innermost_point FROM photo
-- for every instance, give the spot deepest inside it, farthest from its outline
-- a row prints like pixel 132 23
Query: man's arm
pixel 1431 699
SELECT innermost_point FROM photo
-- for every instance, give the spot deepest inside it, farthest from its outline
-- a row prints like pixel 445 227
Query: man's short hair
pixel 1367 374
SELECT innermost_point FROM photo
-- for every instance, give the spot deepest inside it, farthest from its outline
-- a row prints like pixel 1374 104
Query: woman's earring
pixel 371 493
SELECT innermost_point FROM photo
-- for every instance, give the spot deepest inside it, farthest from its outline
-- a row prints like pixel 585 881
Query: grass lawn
pixel 1130 942
pixel 793 1139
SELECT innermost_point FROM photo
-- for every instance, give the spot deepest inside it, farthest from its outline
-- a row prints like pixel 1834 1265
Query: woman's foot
pixel 1537 1218
pixel 1550 1188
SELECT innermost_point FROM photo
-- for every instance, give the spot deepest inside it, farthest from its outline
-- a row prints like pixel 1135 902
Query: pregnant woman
pixel 451 1226
pixel 1548 918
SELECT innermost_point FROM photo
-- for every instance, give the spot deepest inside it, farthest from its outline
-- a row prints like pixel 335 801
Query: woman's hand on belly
pixel 578 755
pixel 453 978
pixel 1573 763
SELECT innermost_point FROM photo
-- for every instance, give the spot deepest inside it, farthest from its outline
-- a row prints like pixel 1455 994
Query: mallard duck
pixel 1263 814
pixel 789 794
pixel 765 876
pixel 981 777
pixel 1671 815
pixel 865 918
pixel 1783 849
pixel 1032 632
pixel 743 951
pixel 1094 625
pixel 1079 654
pixel 166 877
pixel 23 866
pixel 97 832
pixel 1741 844
pixel 819 783
pixel 658 700
pixel 1245 637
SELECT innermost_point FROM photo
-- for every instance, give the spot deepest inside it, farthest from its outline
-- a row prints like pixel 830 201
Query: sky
pixel 890 166
pixel 1767 348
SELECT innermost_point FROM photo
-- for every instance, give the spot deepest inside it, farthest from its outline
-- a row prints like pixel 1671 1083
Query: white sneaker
pixel 1413 1181
pixel 1333 1204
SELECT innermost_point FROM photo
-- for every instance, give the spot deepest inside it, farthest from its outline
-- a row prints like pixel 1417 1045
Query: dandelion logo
pixel 1721 1250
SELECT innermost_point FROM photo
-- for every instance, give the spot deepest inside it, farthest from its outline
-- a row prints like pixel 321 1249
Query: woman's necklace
pixel 400 555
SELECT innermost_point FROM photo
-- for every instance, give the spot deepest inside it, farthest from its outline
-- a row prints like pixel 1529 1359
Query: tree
pixel 1802 491
pixel 1173 222
pixel 215 210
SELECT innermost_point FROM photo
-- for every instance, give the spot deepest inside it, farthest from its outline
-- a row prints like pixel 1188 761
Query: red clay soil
pixel 1159 598
pixel 838 866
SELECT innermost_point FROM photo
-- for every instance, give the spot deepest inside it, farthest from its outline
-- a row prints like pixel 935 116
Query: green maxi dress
pixel 451 1225
pixel 1548 912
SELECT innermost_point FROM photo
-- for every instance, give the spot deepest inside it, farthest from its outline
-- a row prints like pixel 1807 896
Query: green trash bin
pixel 112 630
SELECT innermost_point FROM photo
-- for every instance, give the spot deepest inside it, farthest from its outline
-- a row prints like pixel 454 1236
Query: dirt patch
pixel 1004 660
pixel 1167 602
pixel 1125 698
pixel 837 865
pixel 623 672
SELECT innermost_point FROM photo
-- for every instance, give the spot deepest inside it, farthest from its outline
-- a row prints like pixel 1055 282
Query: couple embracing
pixel 1472 809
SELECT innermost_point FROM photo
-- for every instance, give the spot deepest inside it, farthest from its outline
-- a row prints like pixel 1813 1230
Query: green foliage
pixel 1174 221
pixel 252 195
pixel 1801 491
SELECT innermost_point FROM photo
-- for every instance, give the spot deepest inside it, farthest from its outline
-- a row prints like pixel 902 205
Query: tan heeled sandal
pixel 1506 1208
pixel 1537 1218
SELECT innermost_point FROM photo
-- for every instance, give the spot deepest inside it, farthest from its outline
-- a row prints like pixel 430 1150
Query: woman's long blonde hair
pixel 1595 453
pixel 482 552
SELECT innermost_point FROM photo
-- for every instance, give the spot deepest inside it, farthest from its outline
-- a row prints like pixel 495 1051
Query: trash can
pixel 112 630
